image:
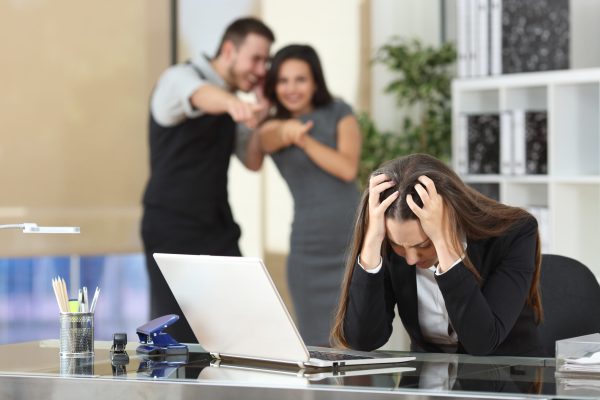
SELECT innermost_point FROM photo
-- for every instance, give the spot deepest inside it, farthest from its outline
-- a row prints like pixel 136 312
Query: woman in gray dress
pixel 315 142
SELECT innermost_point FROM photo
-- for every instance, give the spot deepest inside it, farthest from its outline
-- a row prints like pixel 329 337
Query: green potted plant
pixel 423 88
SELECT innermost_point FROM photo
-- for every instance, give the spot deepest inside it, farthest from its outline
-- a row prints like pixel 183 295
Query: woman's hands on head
pixel 432 214
pixel 433 217
pixel 370 253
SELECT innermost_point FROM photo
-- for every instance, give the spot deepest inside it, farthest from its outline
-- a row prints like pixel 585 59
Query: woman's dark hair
pixel 303 53
pixel 473 216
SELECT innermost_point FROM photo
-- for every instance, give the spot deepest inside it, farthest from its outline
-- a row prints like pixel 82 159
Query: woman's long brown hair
pixel 473 215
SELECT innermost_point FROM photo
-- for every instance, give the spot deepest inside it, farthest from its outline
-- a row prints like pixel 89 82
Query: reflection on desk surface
pixel 220 369
pixel 436 373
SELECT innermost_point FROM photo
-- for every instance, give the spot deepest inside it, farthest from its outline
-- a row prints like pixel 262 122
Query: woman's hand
pixel 432 215
pixel 370 254
pixel 434 221
pixel 294 131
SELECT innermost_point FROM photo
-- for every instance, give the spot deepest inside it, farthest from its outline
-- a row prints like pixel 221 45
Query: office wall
pixel 75 80
pixel 405 19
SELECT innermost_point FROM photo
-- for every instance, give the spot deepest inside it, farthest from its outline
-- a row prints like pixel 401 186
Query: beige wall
pixel 75 79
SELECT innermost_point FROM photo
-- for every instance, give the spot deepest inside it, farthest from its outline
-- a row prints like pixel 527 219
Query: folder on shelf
pixel 506 143
pixel 519 141
pixel 482 37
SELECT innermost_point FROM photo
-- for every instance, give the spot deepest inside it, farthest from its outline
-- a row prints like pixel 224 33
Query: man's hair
pixel 237 31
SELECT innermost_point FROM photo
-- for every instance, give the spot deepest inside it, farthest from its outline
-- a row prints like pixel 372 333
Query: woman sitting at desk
pixel 475 286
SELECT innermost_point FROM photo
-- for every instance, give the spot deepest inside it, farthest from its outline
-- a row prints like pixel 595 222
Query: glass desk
pixel 34 370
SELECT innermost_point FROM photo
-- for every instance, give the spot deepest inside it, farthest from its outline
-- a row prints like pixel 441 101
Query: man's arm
pixel 254 153
pixel 212 99
pixel 247 148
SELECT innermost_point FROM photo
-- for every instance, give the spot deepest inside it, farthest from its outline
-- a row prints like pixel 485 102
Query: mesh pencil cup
pixel 76 334
pixel 77 365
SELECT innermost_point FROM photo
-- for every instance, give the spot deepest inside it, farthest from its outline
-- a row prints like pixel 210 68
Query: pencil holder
pixel 76 335
pixel 77 365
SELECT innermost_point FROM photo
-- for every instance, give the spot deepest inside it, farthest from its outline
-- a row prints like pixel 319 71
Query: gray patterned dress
pixel 324 208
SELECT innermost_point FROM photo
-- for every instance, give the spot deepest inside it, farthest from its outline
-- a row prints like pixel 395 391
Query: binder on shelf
pixel 491 190
pixel 513 142
pixel 506 143
pixel 495 37
pixel 535 35
pixel 482 38
pixel 462 35
pixel 483 143
pixel 536 142
pixel 510 36
pixel 518 134
pixel 462 138
pixel 472 38
pixel 530 133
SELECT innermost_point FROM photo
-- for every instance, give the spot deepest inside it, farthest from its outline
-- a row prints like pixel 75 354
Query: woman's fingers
pixel 377 179
pixel 422 193
pixel 414 206
pixel 307 126
pixel 389 200
pixel 432 214
pixel 375 232
pixel 377 185
pixel 429 185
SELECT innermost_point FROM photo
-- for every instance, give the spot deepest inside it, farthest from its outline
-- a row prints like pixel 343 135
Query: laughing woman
pixel 315 142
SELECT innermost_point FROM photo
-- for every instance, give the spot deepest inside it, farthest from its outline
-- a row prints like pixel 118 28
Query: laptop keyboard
pixel 327 355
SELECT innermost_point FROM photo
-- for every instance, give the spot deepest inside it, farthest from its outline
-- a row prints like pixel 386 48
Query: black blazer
pixel 491 318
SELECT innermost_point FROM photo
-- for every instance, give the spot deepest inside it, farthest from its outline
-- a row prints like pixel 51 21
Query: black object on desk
pixel 154 341
pixel 118 356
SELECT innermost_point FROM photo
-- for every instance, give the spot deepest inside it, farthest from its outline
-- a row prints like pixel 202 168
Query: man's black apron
pixel 186 208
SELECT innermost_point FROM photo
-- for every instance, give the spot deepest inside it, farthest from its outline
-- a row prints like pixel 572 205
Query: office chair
pixel 571 300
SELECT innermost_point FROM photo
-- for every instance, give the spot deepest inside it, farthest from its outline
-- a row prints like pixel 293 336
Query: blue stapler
pixel 154 341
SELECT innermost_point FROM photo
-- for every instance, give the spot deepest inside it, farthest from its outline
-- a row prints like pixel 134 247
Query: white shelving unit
pixel 571 189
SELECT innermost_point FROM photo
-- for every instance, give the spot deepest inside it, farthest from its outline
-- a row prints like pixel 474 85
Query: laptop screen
pixel 233 306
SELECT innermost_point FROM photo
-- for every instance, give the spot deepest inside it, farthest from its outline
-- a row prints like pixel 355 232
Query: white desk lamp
pixel 29 227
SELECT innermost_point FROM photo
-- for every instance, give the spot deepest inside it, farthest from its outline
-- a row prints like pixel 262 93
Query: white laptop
pixel 236 312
